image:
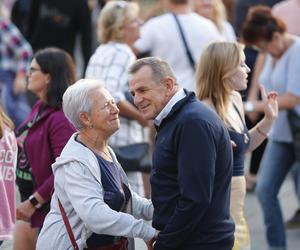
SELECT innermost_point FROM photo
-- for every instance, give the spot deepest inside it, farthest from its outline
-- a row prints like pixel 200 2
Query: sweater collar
pixel 166 110
pixel 189 96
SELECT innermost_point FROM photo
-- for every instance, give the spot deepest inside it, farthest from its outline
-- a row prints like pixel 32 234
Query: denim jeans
pixel 276 163
pixel 16 106
pixel 296 177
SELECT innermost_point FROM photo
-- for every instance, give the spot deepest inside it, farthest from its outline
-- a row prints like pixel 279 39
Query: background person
pixel 288 11
pixel 57 23
pixel 222 72
pixel 280 73
pixel 96 194
pixel 255 62
pixel 41 138
pixel 161 37
pixel 215 11
pixel 15 57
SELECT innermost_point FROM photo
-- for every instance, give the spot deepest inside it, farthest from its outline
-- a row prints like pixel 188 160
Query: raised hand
pixel 270 104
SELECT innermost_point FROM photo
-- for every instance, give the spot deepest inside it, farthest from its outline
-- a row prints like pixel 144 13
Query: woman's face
pixel 275 47
pixel 132 30
pixel 37 80
pixel 104 114
pixel 204 8
pixel 238 80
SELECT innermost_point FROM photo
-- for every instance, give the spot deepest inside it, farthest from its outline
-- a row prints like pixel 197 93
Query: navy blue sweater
pixel 191 178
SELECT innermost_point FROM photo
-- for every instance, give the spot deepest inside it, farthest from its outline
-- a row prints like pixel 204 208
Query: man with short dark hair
pixel 192 162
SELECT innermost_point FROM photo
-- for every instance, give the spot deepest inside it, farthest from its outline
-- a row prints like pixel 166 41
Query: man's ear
pixel 169 83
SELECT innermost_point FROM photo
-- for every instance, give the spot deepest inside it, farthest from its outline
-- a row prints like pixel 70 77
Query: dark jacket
pixel 191 178
pixel 56 23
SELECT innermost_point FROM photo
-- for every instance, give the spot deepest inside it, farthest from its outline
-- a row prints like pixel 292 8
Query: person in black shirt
pixel 56 23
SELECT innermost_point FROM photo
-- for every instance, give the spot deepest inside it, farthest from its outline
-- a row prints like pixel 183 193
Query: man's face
pixel 149 96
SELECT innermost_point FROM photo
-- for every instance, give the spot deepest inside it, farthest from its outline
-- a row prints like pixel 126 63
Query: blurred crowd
pixel 146 65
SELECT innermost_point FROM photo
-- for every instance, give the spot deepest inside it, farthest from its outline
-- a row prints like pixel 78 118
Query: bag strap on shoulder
pixel 68 226
pixel 187 49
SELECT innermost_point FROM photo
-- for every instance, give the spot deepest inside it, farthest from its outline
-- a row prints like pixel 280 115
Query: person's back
pixel 56 23
pixel 161 36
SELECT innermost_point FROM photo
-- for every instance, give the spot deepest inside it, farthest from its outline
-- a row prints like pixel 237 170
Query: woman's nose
pixel 114 108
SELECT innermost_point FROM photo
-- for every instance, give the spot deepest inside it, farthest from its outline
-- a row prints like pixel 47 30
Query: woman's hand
pixel 150 243
pixel 270 104
pixel 25 210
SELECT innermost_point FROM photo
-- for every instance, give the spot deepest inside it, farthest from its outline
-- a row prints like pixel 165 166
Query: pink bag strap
pixel 68 226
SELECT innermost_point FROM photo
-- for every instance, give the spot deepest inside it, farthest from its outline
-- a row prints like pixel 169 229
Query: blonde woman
pixel 119 27
pixel 221 73
pixel 215 11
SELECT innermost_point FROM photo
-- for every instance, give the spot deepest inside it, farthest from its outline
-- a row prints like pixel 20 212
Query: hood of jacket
pixel 76 152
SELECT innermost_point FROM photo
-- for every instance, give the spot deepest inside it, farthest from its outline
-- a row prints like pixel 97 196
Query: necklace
pixel 107 154
pixel 104 152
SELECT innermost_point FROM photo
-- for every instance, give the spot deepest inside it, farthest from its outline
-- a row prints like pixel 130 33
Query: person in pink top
pixel 8 161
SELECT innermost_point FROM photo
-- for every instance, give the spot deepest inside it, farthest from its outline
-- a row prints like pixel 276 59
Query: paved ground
pixel 254 217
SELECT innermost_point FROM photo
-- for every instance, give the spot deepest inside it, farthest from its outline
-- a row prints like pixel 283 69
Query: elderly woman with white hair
pixel 119 28
pixel 93 206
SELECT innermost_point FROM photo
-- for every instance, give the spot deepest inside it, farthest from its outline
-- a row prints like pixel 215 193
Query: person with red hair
pixel 280 73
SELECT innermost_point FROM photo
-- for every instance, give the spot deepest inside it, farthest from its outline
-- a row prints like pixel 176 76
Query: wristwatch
pixel 34 201
pixel 249 107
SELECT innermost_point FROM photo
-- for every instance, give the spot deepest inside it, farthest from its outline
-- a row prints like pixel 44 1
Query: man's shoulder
pixel 157 23
pixel 157 19
pixel 195 110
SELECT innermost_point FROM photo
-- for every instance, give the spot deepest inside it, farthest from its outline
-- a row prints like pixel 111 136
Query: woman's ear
pixel 84 119
pixel 47 78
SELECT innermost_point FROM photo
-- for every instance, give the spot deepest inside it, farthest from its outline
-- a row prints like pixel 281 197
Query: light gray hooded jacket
pixel 77 183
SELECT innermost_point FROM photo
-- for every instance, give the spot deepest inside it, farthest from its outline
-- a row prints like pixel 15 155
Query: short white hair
pixel 77 99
